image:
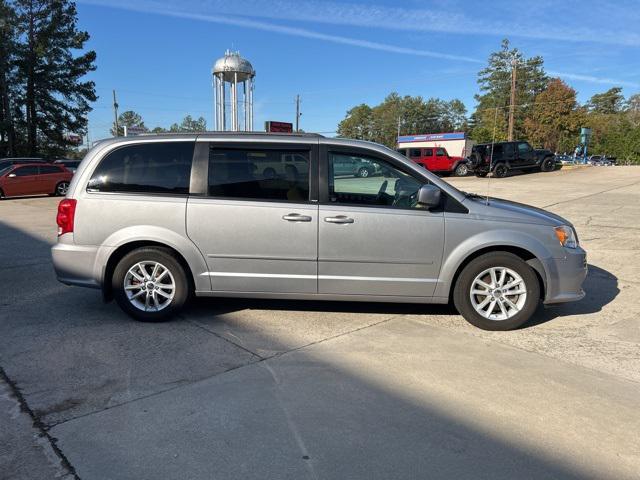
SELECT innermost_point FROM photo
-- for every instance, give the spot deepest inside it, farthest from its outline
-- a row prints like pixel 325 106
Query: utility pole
pixel 115 113
pixel 298 113
pixel 88 138
pixel 512 104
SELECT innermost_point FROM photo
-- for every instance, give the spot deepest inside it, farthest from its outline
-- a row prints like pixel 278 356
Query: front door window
pixel 382 185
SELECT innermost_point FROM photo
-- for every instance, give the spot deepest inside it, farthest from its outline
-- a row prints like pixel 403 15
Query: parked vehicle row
pixel 192 215
pixel 436 159
pixel 501 157
pixel 33 179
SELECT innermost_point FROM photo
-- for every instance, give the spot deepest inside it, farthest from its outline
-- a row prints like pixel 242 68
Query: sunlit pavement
pixel 266 389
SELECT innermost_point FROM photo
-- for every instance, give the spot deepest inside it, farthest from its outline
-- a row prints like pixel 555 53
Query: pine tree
pixel 7 80
pixel 127 119
pixel 55 96
pixel 495 88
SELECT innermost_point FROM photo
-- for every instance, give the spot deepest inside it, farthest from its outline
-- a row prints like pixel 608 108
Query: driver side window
pixel 368 181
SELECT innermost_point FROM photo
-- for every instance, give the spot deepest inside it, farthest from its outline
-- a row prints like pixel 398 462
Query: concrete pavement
pixel 266 389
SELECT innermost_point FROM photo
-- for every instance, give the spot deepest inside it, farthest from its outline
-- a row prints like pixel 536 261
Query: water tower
pixel 229 72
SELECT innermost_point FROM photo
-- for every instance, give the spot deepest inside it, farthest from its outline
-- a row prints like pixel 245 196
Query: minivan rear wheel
pixel 497 291
pixel 150 284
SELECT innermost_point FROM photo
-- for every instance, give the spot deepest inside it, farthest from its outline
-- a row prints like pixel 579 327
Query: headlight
pixel 566 236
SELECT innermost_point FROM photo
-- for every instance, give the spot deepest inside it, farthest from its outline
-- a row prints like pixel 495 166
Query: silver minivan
pixel 153 220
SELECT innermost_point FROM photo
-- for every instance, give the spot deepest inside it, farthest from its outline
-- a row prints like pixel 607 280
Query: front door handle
pixel 338 219
pixel 296 217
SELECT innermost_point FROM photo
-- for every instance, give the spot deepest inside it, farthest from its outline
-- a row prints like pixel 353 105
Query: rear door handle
pixel 338 219
pixel 296 217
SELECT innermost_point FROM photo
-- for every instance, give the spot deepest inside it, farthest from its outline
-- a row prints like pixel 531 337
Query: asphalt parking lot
pixel 275 389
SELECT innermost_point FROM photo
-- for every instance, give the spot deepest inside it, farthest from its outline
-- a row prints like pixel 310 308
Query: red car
pixel 436 159
pixel 34 179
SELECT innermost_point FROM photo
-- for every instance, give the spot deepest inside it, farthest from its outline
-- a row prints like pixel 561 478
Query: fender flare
pixel 492 240
pixel 148 233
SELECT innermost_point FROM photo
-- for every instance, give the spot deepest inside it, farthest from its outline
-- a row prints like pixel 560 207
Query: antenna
pixel 495 124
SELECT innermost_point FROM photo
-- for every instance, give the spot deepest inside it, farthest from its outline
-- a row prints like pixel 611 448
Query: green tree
pixel 554 120
pixel 402 115
pixel 358 123
pixel 190 124
pixel 8 48
pixel 54 95
pixel 611 101
pixel 159 130
pixel 495 90
pixel 128 119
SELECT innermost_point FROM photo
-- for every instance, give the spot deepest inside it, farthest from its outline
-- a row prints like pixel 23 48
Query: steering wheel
pixel 381 192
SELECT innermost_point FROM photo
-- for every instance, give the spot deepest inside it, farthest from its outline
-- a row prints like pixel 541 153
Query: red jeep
pixel 436 159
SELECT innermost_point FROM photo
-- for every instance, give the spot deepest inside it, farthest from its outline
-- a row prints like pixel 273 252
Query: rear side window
pixel 145 168
pixel 428 152
pixel 25 171
pixel 259 174
pixel 44 169
pixel 414 152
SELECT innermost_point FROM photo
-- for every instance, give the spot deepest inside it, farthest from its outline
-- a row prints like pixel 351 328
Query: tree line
pixel 547 112
pixel 44 95
pixel 134 119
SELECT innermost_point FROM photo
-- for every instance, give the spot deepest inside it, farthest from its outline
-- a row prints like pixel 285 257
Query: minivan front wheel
pixel 497 291
pixel 150 284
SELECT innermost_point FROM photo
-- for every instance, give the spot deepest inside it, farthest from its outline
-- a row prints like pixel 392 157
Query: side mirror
pixel 12 175
pixel 429 196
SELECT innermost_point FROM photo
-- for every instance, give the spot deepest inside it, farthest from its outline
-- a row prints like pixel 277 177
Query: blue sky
pixel 157 54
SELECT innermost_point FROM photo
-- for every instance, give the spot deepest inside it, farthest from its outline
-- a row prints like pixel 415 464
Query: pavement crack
pixel 333 337
pixel 591 195
pixel 38 424
pixel 222 337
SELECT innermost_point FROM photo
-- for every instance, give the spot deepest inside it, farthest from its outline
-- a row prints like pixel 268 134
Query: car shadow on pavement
pixel 601 288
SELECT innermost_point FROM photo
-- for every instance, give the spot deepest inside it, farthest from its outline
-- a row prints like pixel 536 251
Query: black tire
pixel 363 172
pixel 61 189
pixel 462 290
pixel 548 165
pixel 500 170
pixel 482 174
pixel 462 170
pixel 151 254
pixel 1 194
pixel 269 173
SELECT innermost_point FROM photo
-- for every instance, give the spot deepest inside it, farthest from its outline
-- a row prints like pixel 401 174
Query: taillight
pixel 66 214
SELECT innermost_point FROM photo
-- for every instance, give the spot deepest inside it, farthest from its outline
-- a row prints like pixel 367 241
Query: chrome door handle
pixel 296 217
pixel 338 219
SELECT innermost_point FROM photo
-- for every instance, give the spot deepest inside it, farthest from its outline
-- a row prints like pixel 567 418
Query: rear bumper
pixel 75 265
pixel 565 277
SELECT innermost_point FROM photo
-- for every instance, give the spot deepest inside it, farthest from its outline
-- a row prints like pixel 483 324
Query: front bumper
pixel 565 277
pixel 74 264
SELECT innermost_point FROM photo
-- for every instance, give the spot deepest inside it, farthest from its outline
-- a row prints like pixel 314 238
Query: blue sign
pixel 431 137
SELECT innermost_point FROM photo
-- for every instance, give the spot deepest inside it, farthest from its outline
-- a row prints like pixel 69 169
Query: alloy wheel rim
pixel 63 188
pixel 498 293
pixel 364 173
pixel 149 286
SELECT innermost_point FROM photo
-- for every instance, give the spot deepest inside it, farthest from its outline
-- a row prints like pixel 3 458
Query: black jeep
pixel 501 157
